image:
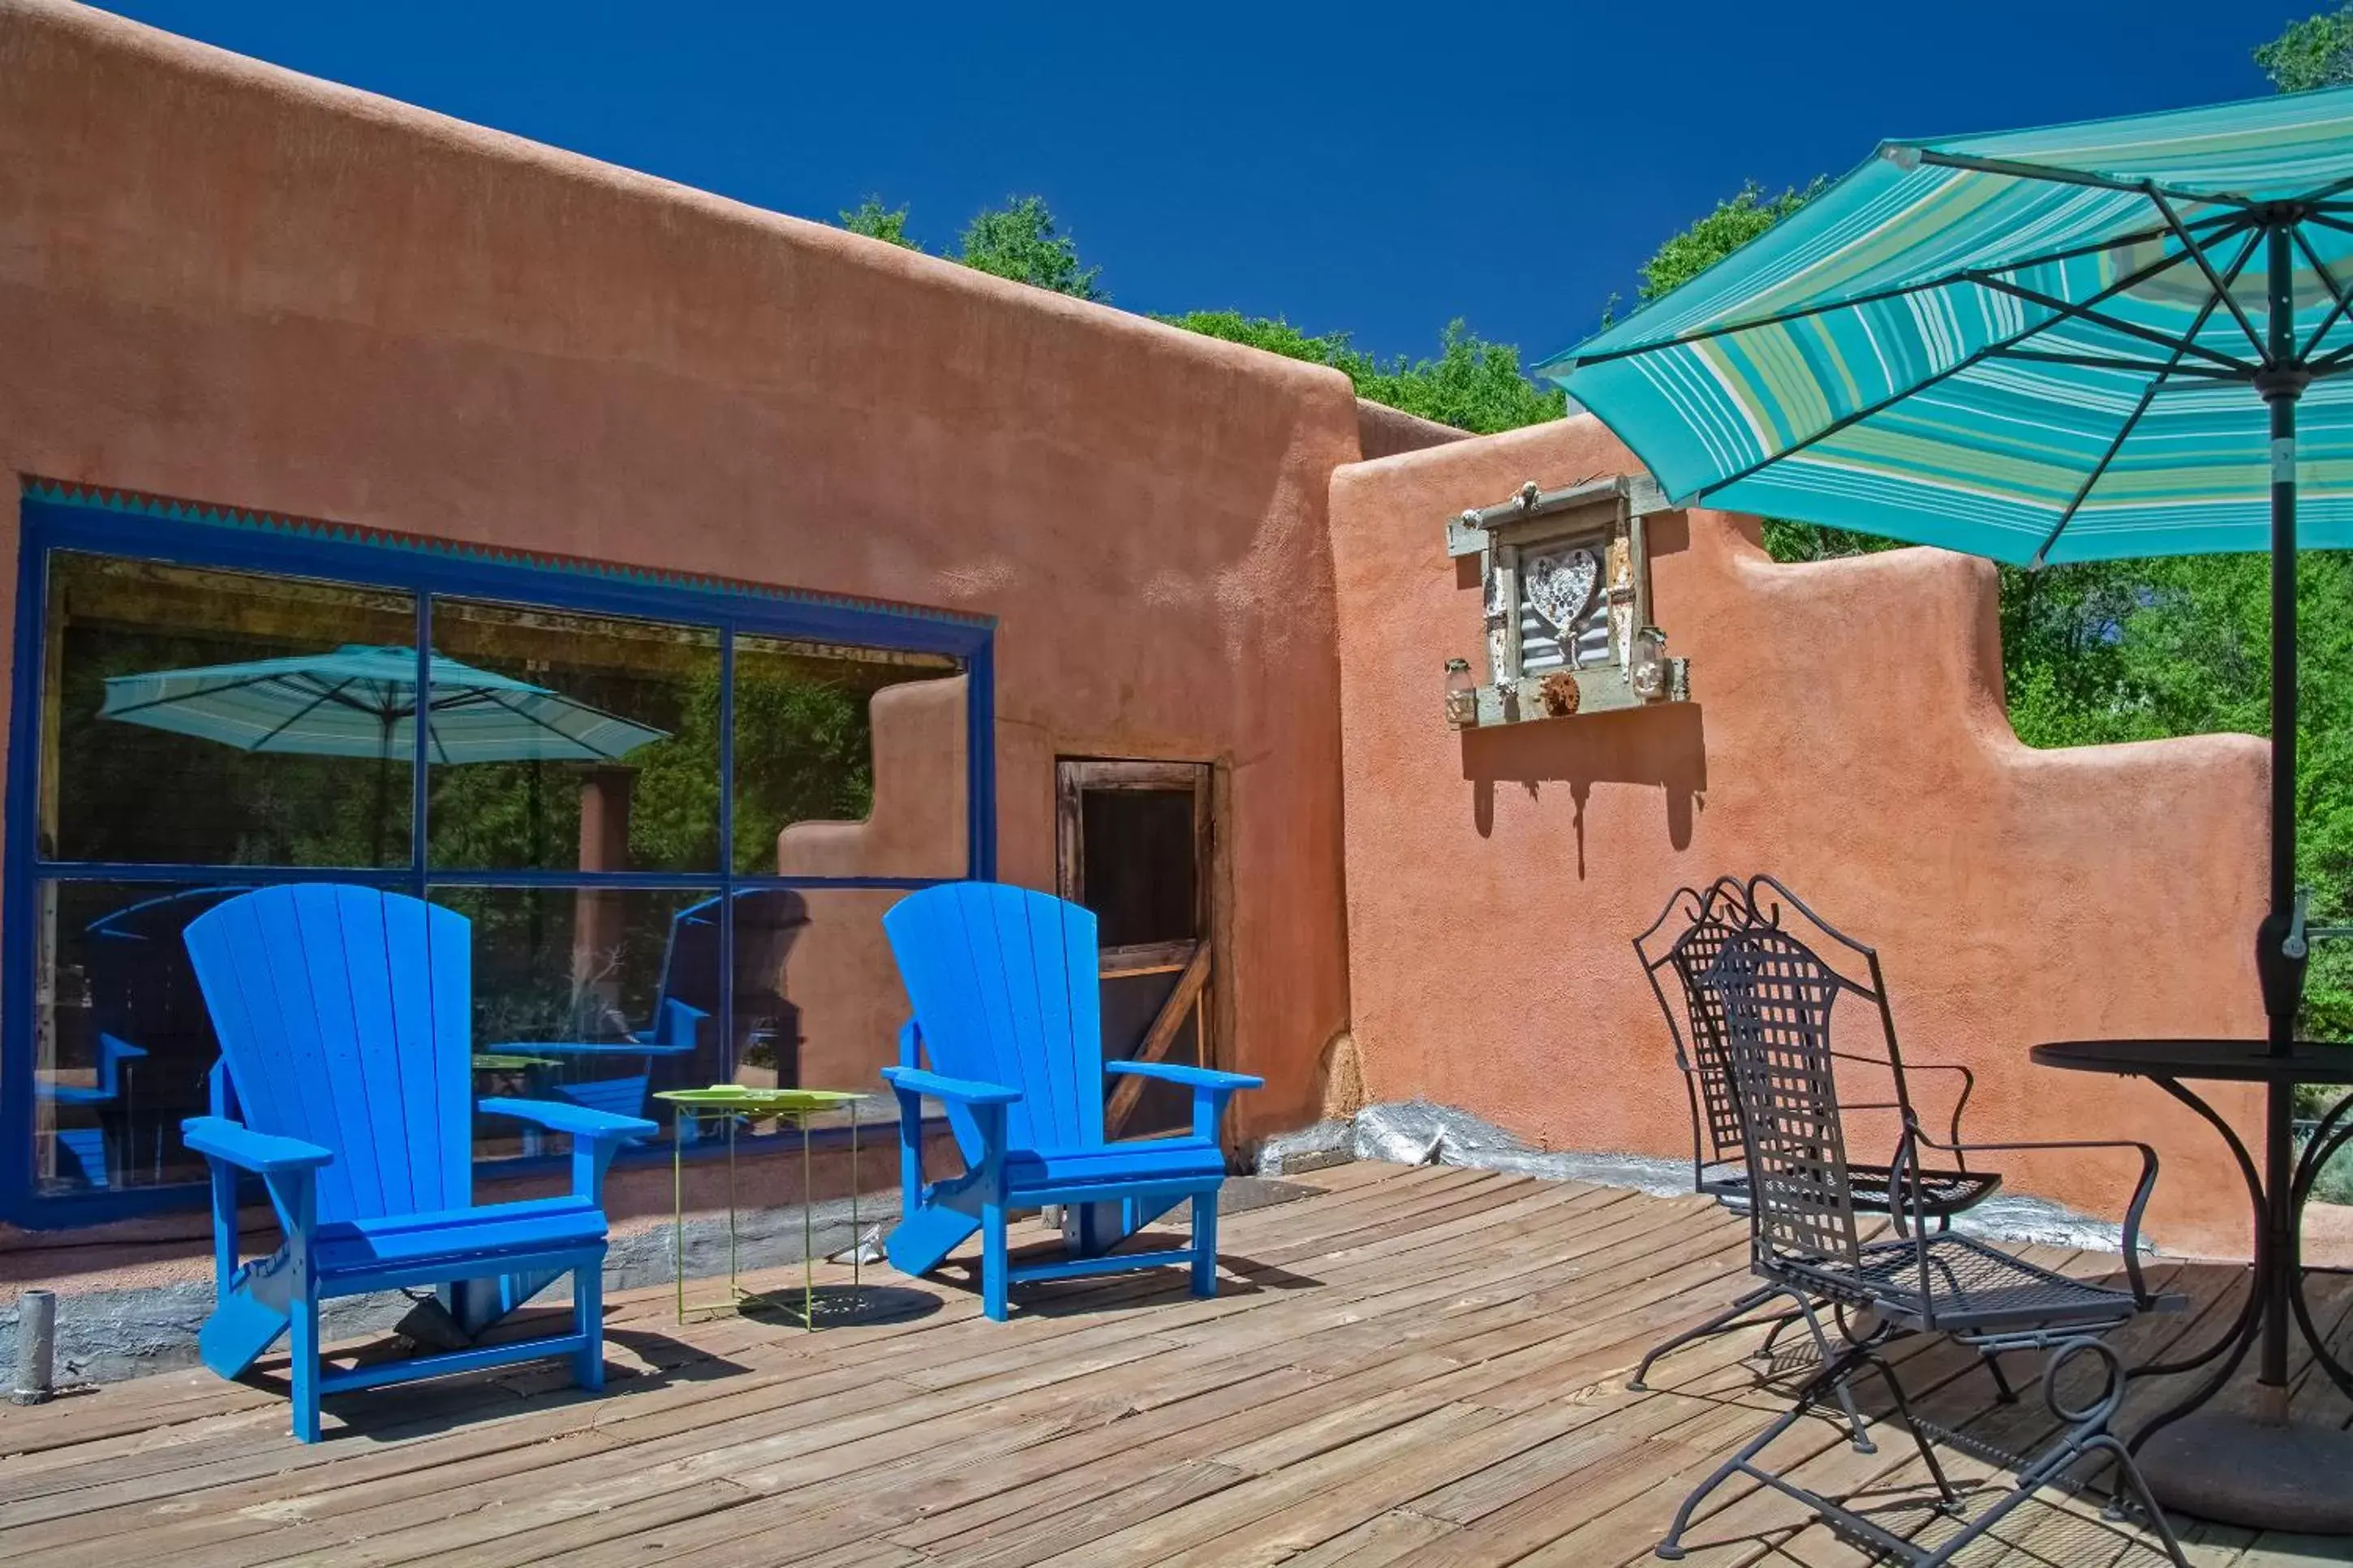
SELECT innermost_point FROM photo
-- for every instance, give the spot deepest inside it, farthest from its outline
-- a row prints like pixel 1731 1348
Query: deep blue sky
pixel 1373 168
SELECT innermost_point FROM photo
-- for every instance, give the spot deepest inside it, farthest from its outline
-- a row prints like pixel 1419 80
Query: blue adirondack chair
pixel 1006 1000
pixel 344 1015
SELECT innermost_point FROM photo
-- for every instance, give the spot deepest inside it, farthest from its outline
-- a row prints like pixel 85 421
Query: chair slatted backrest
pixel 768 921
pixel 1006 988
pixel 1710 918
pixel 345 1019
pixel 1777 997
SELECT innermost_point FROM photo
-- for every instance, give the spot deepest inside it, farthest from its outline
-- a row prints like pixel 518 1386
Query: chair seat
pixel 1174 1160
pixel 1943 1194
pixel 446 1237
pixel 1968 1285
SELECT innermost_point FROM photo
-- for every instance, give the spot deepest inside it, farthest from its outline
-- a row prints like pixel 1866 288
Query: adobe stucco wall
pixel 1847 735
pixel 222 281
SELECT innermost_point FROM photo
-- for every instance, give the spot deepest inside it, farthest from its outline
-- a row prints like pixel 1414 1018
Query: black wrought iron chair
pixel 1702 921
pixel 1777 997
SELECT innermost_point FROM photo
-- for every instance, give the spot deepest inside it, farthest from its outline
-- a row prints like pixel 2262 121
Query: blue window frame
pixel 52 878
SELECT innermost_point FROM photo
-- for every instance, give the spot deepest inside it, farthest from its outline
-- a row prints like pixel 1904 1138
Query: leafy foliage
pixel 1748 213
pixel 1472 385
pixel 875 221
pixel 2314 52
pixel 1021 241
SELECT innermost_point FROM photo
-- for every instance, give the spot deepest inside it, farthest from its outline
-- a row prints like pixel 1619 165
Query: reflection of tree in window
pixel 805 735
pixel 124 793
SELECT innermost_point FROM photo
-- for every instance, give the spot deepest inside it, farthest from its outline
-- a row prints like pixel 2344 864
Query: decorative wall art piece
pixel 1565 579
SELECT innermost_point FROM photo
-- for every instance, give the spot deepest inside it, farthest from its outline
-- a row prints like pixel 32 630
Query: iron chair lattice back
pixel 1777 998
pixel 1784 1083
pixel 1702 921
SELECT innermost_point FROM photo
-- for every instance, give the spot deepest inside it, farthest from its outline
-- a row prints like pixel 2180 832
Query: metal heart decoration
pixel 1560 586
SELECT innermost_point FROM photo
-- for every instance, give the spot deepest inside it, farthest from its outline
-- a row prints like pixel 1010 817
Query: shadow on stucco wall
pixel 1663 748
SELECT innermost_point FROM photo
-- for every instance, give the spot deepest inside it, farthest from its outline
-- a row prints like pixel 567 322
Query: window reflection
pixel 120 1039
pixel 213 722
pixel 806 743
pixel 599 996
pixel 572 742
pixel 235 689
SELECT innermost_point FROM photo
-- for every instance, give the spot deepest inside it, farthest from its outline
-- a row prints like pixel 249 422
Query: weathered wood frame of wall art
pixel 1615 510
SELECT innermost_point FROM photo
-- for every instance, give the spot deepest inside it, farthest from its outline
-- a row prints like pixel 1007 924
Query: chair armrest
pixel 629 1047
pixel 218 1138
pixel 964 1091
pixel 1969 1086
pixel 2133 1212
pixel 1178 1072
pixel 579 1120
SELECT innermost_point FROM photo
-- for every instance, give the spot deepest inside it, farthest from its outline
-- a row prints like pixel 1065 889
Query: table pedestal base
pixel 2235 1470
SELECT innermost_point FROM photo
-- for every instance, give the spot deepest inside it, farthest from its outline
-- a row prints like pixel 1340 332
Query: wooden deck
pixel 1415 1366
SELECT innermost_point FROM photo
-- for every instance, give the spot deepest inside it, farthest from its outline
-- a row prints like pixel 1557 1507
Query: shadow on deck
pixel 1420 1366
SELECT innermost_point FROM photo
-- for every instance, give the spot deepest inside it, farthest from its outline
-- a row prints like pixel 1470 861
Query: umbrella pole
pixel 2280 946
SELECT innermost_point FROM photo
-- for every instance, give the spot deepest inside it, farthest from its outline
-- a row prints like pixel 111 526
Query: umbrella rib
pixel 2148 395
pixel 327 694
pixel 238 685
pixel 2116 324
pixel 2335 291
pixel 2136 366
pixel 2224 225
pixel 2198 254
pixel 498 701
pixel 2133 280
pixel 2050 175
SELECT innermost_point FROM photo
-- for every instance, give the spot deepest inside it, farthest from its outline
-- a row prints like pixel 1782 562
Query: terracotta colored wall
pixel 222 281
pixel 1848 734
pixel 840 973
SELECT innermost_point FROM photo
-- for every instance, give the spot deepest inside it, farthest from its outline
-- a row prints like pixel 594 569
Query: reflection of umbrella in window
pixel 361 701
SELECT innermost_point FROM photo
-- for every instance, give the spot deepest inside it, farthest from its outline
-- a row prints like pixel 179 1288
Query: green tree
pixel 1021 241
pixel 1748 213
pixel 2314 52
pixel 1473 384
pixel 875 221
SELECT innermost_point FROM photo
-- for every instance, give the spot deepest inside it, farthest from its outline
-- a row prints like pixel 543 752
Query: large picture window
pixel 671 813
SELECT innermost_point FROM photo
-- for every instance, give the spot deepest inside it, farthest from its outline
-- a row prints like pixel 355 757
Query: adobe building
pixel 877 571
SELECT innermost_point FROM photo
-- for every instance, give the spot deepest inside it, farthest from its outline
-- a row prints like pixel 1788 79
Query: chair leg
pixel 1723 1321
pixel 588 1322
pixel 1205 1244
pixel 1854 1426
pixel 1949 1500
pixel 2129 1472
pixel 2043 1474
pixel 994 1263
pixel 1672 1547
pixel 303 1344
pixel 2003 1392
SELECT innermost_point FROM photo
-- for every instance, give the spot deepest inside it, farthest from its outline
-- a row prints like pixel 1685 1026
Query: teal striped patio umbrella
pixel 363 702
pixel 2082 342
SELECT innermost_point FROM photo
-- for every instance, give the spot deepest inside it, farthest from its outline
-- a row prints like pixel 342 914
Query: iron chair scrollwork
pixel 1683 942
pixel 1804 1244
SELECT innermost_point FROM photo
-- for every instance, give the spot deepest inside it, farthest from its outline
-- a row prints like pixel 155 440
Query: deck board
pixel 1421 1366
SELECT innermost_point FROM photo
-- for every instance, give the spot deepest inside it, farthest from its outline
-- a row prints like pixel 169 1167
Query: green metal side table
pixel 730 1106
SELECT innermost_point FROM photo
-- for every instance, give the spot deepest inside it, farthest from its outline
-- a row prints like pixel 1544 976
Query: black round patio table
pixel 2264 1470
